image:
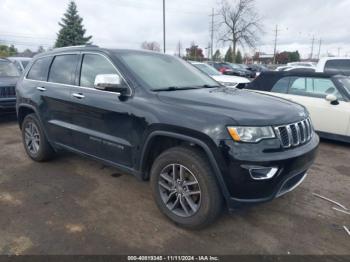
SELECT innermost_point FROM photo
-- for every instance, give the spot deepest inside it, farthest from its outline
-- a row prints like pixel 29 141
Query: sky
pixel 127 23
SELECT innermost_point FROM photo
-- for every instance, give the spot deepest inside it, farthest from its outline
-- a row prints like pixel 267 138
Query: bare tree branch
pixel 153 46
pixel 239 23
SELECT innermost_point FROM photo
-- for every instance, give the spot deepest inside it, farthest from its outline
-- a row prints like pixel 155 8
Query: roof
pixel 334 58
pixel 267 79
pixel 94 48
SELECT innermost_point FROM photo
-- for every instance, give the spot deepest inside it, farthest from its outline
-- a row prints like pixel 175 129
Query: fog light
pixel 260 172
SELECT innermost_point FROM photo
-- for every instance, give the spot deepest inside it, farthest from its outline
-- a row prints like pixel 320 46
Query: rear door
pixel 56 97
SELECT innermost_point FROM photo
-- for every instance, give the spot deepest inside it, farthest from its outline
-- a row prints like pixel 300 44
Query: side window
pixel 63 69
pixel 314 87
pixel 323 87
pixel 40 69
pixel 338 66
pixel 93 65
pixel 281 85
pixel 300 86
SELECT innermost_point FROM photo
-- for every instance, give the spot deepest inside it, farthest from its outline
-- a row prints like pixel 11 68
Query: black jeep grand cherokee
pixel 159 118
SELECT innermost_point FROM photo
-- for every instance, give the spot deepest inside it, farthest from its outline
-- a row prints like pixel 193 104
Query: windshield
pixel 207 69
pixel 8 69
pixel 159 71
pixel 345 81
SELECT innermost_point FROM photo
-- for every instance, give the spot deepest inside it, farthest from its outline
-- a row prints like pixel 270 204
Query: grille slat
pixel 7 91
pixel 294 134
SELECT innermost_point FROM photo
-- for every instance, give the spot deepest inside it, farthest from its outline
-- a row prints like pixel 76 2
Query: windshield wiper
pixel 173 88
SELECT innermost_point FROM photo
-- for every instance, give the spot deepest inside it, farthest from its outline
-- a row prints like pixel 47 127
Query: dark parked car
pixel 9 75
pixel 242 71
pixel 159 118
pixel 257 68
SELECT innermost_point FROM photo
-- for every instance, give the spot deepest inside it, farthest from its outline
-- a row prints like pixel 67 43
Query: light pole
pixel 164 26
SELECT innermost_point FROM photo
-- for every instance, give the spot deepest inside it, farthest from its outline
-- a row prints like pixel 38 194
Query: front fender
pixel 211 154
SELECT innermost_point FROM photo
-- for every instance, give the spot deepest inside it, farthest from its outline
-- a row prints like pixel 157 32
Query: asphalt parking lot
pixel 74 205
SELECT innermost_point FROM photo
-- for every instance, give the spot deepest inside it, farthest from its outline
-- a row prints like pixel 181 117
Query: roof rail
pixel 74 46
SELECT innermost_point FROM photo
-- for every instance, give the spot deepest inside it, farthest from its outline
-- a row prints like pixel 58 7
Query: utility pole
pixel 275 48
pixel 164 26
pixel 339 51
pixel 179 47
pixel 319 49
pixel 312 47
pixel 212 35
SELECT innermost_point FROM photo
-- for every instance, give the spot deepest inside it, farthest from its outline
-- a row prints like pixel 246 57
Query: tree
pixel 12 50
pixel 194 53
pixel 294 56
pixel 8 50
pixel 229 55
pixel 282 58
pixel 153 46
pixel 239 58
pixel 239 23
pixel 72 31
pixel 217 55
pixel 286 57
pixel 40 49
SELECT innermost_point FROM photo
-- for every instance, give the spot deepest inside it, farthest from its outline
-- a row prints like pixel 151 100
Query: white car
pixel 300 69
pixel 334 65
pixel 327 98
pixel 226 80
pixel 303 64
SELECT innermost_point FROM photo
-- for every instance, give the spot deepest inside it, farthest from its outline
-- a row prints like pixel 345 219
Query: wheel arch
pixel 24 110
pixel 184 139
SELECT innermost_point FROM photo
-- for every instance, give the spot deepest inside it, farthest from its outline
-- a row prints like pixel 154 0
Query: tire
pixel 202 208
pixel 40 150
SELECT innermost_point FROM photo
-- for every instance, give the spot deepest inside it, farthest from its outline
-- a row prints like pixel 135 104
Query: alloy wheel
pixel 179 190
pixel 32 137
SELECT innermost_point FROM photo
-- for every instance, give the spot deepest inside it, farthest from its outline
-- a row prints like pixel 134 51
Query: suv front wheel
pixel 185 188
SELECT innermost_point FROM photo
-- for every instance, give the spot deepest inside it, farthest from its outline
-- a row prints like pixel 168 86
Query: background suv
pixel 9 75
pixel 157 117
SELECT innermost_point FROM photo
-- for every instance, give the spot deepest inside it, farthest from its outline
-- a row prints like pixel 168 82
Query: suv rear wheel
pixel 185 188
pixel 34 139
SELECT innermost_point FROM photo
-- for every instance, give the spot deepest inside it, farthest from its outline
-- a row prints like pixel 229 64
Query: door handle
pixel 41 89
pixel 78 95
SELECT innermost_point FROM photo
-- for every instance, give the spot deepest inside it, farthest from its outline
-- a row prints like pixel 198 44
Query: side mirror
pixel 332 99
pixel 111 83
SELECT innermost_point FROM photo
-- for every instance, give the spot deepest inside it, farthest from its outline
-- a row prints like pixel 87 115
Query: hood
pixel 231 79
pixel 243 107
pixel 8 81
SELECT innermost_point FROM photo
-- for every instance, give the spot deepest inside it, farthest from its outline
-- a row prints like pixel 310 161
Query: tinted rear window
pixel 63 69
pixel 40 69
pixel 340 66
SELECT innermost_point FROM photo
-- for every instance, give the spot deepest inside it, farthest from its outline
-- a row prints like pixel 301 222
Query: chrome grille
pixel 294 134
pixel 7 91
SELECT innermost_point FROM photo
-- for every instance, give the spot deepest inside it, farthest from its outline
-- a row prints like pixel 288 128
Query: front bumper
pixel 292 166
pixel 8 103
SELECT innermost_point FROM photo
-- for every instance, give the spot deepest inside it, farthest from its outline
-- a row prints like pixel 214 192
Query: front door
pixel 102 123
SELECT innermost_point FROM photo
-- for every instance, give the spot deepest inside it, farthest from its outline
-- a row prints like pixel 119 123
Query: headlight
pixel 250 134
